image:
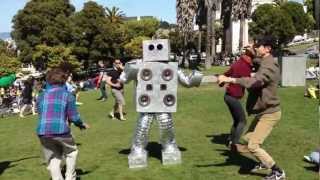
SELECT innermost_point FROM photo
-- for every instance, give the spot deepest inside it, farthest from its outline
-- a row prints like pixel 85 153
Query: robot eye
pixel 159 46
pixel 167 74
pixel 151 47
pixel 144 100
pixel 146 74
pixel 169 100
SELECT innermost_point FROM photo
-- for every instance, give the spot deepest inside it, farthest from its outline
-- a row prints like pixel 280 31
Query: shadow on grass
pixel 219 138
pixel 233 158
pixel 153 148
pixel 312 168
pixel 8 164
pixel 79 172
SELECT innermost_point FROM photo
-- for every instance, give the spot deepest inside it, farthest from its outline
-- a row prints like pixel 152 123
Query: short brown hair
pixel 56 76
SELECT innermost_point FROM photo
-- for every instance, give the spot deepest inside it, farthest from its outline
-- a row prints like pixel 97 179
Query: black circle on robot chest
pixel 167 74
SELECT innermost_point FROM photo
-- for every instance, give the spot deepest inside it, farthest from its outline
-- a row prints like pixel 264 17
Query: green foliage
pixel 268 19
pixel 114 15
pixel 133 49
pixel 95 37
pixel 57 56
pixel 300 19
pixel 145 27
pixel 8 60
pixel 9 65
pixel 176 41
pixel 41 21
pixel 310 8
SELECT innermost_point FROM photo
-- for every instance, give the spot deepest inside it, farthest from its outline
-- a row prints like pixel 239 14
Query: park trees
pixel 144 27
pixel 300 19
pixel 57 56
pixel 133 49
pixel 115 15
pixel 41 21
pixel 268 19
pixel 8 60
pixel 91 33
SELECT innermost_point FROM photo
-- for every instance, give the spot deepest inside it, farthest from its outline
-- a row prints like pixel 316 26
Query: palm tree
pixel 115 15
pixel 211 6
pixel 241 10
pixel 226 8
pixel 186 11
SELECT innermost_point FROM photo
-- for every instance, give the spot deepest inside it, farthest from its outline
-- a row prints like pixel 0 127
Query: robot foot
pixel 171 156
pixel 138 159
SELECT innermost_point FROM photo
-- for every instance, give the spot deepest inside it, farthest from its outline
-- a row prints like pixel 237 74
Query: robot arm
pixel 130 72
pixel 194 79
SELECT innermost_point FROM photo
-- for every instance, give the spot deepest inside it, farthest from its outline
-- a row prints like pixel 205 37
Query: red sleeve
pixel 229 72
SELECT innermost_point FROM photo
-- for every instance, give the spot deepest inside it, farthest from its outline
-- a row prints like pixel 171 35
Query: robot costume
pixel 156 98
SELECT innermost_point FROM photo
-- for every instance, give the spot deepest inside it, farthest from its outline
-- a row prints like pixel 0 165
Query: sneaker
pixel 275 175
pixel 307 158
pixel 111 115
pixel 122 119
pixel 79 103
pixel 103 100
pixel 259 167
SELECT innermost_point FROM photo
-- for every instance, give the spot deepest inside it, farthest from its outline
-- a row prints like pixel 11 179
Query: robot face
pixel 156 50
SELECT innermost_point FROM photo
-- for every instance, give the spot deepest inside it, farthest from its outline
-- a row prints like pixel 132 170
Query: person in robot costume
pixel 156 81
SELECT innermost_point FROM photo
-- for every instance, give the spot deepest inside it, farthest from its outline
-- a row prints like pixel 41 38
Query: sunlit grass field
pixel 201 123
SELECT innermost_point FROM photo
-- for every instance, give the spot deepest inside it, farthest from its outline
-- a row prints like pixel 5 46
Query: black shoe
pixel 275 175
pixel 99 98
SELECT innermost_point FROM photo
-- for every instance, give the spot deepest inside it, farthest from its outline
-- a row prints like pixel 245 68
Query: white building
pixel 236 27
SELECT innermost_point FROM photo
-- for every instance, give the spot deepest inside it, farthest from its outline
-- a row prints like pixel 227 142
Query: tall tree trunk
pixel 208 39
pixel 213 37
pixel 226 7
pixel 241 40
pixel 199 39
pixel 184 56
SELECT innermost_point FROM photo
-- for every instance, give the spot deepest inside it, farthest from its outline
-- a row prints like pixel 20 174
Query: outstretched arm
pixel 130 72
pixel 193 79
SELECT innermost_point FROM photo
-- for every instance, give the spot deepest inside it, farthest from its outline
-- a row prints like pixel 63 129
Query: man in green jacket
pixel 264 102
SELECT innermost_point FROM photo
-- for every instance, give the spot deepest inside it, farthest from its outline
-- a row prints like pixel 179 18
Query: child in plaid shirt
pixel 57 110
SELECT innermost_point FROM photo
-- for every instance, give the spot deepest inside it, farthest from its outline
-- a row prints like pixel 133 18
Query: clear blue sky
pixel 162 9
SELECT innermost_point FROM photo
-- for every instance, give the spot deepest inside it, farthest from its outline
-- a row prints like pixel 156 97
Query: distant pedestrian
pixel 116 89
pixel 101 84
pixel 27 97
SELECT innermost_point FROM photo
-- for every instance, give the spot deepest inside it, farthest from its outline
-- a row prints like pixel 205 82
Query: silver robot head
pixel 156 50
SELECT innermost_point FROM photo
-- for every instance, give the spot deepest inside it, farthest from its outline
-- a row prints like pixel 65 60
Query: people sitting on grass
pixel 27 98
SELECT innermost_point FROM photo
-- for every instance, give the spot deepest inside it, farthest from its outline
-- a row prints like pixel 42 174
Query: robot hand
pixel 130 72
pixel 194 79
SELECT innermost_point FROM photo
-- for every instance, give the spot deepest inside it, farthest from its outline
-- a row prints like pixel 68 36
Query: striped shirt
pixel 57 109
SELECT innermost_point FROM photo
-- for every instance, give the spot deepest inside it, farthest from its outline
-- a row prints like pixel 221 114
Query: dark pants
pixel 238 115
pixel 103 90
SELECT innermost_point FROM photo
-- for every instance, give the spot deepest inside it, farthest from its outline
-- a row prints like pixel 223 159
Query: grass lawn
pixel 202 122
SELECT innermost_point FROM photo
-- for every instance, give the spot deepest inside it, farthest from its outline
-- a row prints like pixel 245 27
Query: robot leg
pixel 138 155
pixel 170 151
